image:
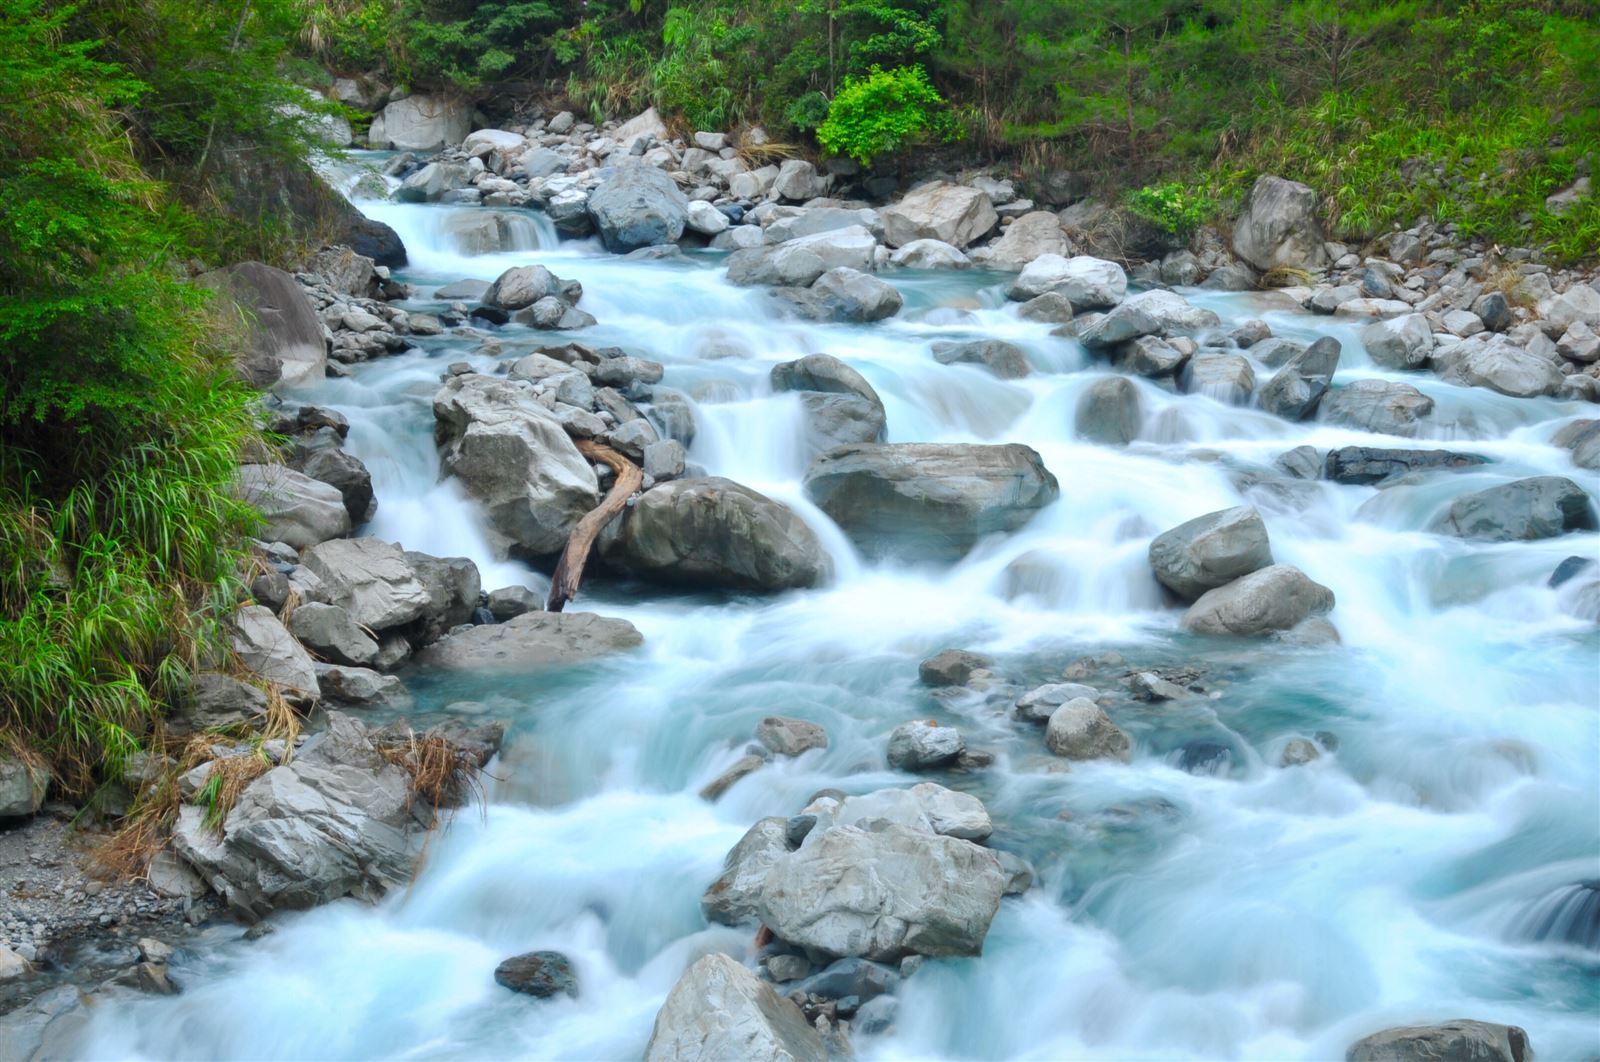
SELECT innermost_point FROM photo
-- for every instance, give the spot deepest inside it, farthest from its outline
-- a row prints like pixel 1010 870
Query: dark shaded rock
pixel 1533 508
pixel 1370 464
pixel 540 974
pixel 1461 1040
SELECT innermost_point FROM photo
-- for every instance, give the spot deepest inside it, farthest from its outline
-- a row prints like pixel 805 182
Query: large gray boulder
pixel 883 893
pixel 844 294
pixel 1172 312
pixel 533 641
pixel 1461 1040
pixel 1533 508
pixel 792 223
pixel 521 286
pixel 1028 237
pixel 1503 366
pixel 714 533
pixel 1376 405
pixel 929 500
pixel 1363 465
pixel 1210 551
pixel 286 342
pixel 295 509
pixel 515 459
pixel 922 744
pixel 344 472
pixel 328 631
pixel 638 206
pixel 421 123
pixel 720 1012
pixel 1088 283
pixel 1006 360
pixel 1400 342
pixel 799 262
pixel 822 373
pixel 1272 599
pixel 1224 377
pixel 266 647
pixel 371 580
pixel 926 807
pixel 1109 412
pixel 334 821
pixel 953 213
pixel 1279 227
pixel 431 182
pixel 1295 391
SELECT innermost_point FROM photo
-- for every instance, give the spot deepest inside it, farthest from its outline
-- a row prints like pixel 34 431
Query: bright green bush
pixel 883 113
pixel 1172 206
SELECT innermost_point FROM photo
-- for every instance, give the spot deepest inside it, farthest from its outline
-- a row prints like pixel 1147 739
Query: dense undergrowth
pixel 121 419
pixel 1363 99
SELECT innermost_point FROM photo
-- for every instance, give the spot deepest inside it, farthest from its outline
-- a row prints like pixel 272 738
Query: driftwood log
pixel 569 569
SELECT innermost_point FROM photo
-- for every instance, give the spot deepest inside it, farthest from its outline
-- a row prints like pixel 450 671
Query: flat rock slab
pixel 533 641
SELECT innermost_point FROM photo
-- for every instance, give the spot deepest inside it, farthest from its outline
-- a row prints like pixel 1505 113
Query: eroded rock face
pixel 1088 283
pixel 1369 464
pixel 733 898
pixel 286 340
pixel 1279 227
pixel 1210 551
pixel 1505 367
pixel 295 508
pixel 1276 598
pixel 516 459
pixel 928 500
pixel 1461 1040
pixel 1295 391
pixel 1081 730
pixel 421 123
pixel 1110 412
pixel 840 405
pixel 533 641
pixel 268 649
pixel 952 213
pixel 1533 508
pixel 714 533
pixel 884 893
pixel 1028 237
pixel 1376 405
pixel 720 1010
pixel 1401 343
pixel 371 580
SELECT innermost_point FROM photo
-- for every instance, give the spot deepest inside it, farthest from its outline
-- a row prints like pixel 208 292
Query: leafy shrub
pixel 1172 206
pixel 883 113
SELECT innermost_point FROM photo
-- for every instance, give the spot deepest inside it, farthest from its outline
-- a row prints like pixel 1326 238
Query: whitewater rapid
pixel 1249 912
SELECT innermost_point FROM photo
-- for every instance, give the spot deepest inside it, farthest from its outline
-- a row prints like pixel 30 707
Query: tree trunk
pixel 569 570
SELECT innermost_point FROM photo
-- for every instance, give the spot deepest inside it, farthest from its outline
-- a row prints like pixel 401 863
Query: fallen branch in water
pixel 569 570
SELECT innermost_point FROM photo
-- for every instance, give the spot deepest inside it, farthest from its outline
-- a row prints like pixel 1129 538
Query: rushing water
pixel 1428 869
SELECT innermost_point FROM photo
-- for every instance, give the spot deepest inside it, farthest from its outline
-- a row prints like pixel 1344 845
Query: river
pixel 1233 909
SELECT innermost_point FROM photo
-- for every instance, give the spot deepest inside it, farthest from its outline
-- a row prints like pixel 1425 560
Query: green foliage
pixel 120 421
pixel 1174 207
pixel 884 113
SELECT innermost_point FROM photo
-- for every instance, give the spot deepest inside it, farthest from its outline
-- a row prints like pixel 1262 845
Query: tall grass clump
pixel 121 421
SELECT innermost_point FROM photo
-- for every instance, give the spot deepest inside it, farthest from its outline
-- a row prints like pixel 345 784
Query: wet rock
pixel 1038 704
pixel 1224 377
pixel 1533 508
pixel 884 894
pixel 515 458
pixel 509 602
pixel 932 501
pixel 1505 367
pixel 929 254
pixel 638 206
pixel 800 262
pixel 265 647
pixel 1052 307
pixel 1273 599
pixel 1369 464
pixel 1582 437
pixel 430 183
pixel 522 286
pixel 732 899
pixel 720 1010
pixel 844 294
pixel 921 745
pixel 1006 360
pixel 1302 462
pixel 952 213
pixel 346 474
pixel 1400 343
pixel 1295 391
pixel 847 978
pixel 1087 283
pixel 712 532
pixel 1298 752
pixel 1279 227
pixel 790 737
pixel 361 687
pixel 328 631
pixel 1110 412
pixel 1150 686
pixel 1152 357
pixel 534 641
pixel 540 974
pixel 782 968
pixel 1172 312
pixel 1376 405
pixel 742 768
pixel 1210 551
pixel 1469 1041
pixel 295 508
pixel 1081 730
pixel 952 667
pixel 1276 352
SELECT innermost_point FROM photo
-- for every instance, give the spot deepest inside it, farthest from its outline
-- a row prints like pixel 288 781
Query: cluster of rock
pixel 853 891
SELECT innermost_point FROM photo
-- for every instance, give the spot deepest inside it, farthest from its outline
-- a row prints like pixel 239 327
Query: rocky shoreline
pixel 332 807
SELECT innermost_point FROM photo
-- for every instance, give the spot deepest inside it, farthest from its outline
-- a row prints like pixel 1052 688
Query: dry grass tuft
pixel 1287 277
pixel 758 155
pixel 443 775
